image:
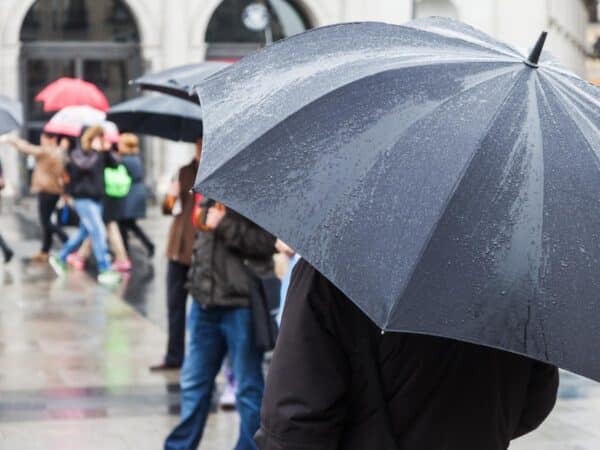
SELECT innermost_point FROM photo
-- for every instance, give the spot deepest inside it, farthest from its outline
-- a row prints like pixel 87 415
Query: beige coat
pixel 49 166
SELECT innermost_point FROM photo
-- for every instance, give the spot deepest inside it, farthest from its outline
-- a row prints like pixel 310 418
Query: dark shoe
pixel 164 367
pixel 8 255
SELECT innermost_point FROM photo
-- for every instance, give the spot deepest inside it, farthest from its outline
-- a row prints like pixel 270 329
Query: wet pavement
pixel 74 361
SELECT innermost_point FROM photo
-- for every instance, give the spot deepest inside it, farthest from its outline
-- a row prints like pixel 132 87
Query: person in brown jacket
pixel 180 203
pixel 337 383
pixel 47 182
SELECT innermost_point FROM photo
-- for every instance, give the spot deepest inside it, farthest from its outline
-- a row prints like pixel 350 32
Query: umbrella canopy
pixel 159 115
pixel 445 182
pixel 71 92
pixel 11 115
pixel 71 121
pixel 111 131
pixel 180 81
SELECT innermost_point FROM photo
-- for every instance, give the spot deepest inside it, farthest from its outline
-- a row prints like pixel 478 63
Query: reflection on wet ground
pixel 74 356
pixel 74 362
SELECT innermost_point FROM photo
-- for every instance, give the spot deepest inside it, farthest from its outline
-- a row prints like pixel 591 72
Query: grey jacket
pixel 223 261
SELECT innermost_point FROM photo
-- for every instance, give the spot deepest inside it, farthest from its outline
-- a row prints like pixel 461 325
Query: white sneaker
pixel 227 400
pixel 109 278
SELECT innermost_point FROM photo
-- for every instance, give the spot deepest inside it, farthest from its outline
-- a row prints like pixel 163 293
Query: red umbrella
pixel 72 92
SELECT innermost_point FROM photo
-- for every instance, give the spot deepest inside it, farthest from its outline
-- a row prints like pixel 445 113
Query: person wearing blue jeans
pixel 214 333
pixel 91 225
pixel 224 262
pixel 85 169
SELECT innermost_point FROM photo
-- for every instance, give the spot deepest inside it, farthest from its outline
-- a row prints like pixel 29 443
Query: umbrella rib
pixel 558 89
pixel 463 38
pixel 206 174
pixel 447 202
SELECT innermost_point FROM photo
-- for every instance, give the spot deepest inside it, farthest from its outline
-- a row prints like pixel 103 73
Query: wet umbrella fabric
pixel 71 120
pixel 180 81
pixel 11 115
pixel 71 92
pixel 444 185
pixel 159 115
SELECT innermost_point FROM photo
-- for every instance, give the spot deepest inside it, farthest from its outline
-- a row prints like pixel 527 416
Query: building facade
pixel 111 41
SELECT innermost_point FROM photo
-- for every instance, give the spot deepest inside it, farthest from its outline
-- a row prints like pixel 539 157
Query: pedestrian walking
pixel 354 388
pixel 179 202
pixel 117 183
pixel 133 206
pixel 85 169
pixel 117 186
pixel 7 252
pixel 47 182
pixel 224 264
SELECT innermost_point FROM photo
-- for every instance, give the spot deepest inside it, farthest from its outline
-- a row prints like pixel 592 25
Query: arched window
pixel 96 40
pixel 79 20
pixel 445 8
pixel 228 37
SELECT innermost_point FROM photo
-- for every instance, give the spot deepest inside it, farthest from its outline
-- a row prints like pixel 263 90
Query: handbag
pixel 264 307
pixel 117 181
pixel 67 216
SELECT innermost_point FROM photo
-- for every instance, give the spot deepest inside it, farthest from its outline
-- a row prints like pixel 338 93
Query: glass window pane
pixel 226 25
pixel 79 20
pixel 38 74
pixel 111 76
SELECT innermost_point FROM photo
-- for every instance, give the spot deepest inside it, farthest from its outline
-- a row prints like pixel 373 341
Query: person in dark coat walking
pixel 179 203
pixel 224 263
pixel 85 169
pixel 133 206
pixel 335 382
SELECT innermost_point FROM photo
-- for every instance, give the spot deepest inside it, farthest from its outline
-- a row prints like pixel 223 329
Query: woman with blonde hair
pixel 133 206
pixel 85 169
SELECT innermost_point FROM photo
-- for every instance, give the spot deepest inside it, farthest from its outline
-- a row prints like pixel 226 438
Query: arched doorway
pixel 96 40
pixel 228 38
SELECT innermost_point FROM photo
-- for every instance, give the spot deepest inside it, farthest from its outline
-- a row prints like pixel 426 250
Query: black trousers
pixel 4 246
pixel 46 206
pixel 177 294
pixel 127 225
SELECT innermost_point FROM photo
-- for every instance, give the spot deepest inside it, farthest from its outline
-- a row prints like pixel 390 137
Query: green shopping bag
pixel 117 181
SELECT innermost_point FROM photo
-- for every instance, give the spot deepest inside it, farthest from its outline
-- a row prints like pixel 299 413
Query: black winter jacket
pixel 221 261
pixel 440 394
pixel 86 173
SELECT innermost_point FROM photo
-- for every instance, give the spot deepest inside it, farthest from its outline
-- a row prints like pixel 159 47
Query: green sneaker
pixel 58 265
pixel 109 278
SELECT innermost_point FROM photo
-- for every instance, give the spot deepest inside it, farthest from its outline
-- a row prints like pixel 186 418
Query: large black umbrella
pixel 180 81
pixel 159 115
pixel 11 115
pixel 444 181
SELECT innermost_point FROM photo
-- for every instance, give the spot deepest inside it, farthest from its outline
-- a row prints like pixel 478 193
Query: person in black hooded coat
pixel 336 383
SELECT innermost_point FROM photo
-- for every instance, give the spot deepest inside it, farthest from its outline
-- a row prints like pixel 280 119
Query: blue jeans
pixel 92 225
pixel 215 333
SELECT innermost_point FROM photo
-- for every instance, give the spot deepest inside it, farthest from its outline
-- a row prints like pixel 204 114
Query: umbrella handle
pixel 202 212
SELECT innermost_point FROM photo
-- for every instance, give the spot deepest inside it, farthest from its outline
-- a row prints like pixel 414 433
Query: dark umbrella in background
pixel 180 81
pixel 445 182
pixel 11 115
pixel 159 115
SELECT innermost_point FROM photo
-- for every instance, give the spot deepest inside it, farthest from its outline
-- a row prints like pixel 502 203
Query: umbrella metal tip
pixel 534 56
